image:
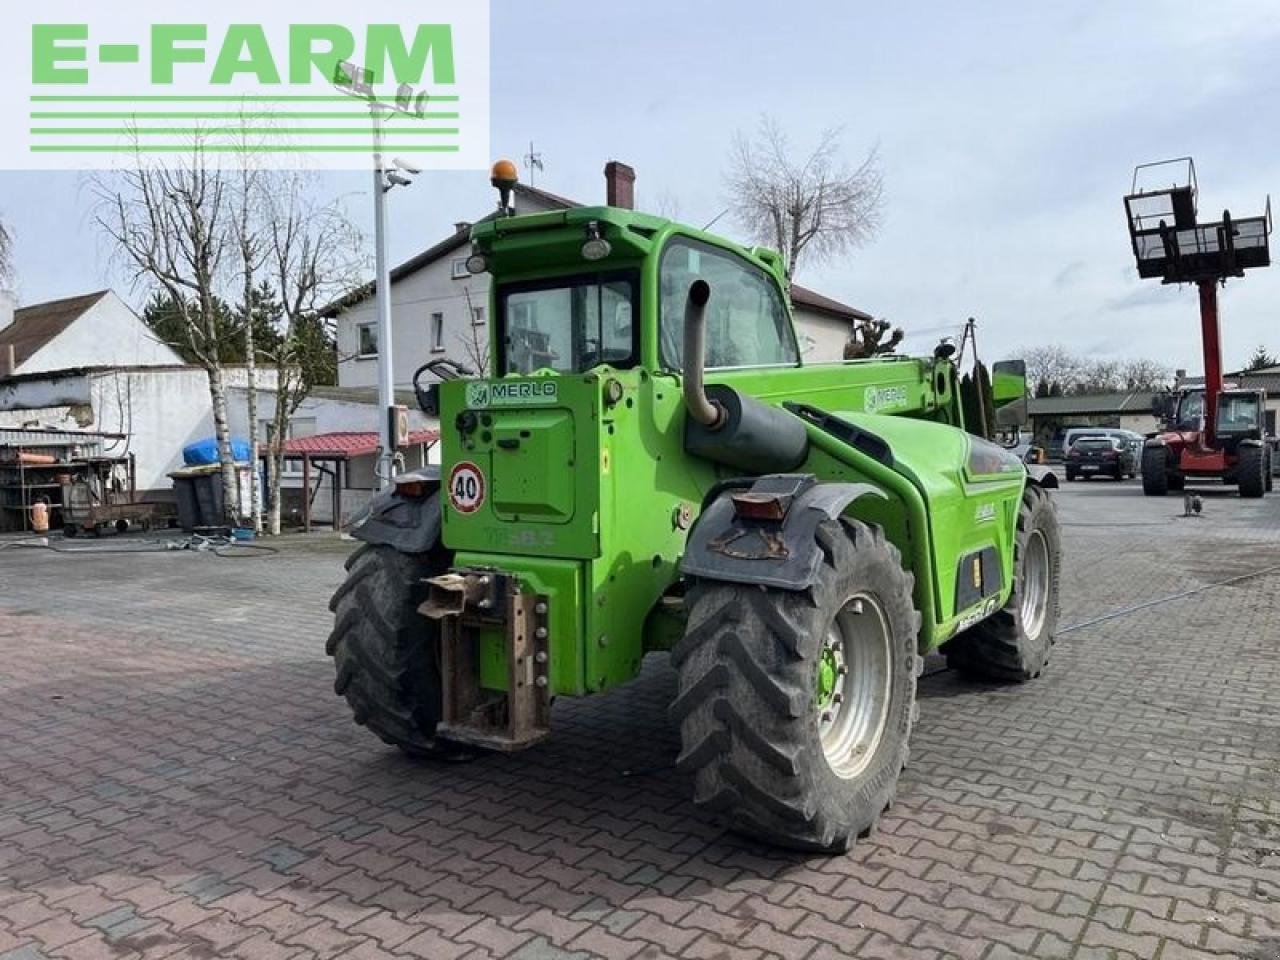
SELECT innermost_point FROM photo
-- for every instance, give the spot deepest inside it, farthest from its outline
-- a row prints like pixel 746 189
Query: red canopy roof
pixel 349 444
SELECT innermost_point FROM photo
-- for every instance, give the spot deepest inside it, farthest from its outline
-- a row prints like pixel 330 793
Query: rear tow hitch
pixel 474 607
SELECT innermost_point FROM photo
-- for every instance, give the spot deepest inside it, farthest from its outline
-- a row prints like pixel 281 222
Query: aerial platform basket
pixel 1169 242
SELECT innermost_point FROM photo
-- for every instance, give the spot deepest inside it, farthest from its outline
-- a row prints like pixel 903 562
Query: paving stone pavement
pixel 178 779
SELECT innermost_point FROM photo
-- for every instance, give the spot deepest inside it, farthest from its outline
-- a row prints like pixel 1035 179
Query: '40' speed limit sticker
pixel 466 487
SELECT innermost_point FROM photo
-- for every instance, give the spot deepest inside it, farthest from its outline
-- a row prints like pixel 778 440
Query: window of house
pixel 747 320
pixel 477 315
pixel 367 340
pixel 437 333
pixel 459 268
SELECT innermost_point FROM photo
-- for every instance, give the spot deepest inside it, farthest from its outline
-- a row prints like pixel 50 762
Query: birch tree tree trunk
pixel 171 226
pixel 313 259
pixel 222 433
pixel 247 230
pixel 275 467
pixel 251 375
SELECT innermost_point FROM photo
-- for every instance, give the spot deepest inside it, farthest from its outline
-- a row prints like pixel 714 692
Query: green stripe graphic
pixel 231 148
pixel 234 131
pixel 217 98
pixel 204 115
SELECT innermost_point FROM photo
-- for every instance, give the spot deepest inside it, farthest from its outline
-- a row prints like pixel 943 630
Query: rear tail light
pixel 760 506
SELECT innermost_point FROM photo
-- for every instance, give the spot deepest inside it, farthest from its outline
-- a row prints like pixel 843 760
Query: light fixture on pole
pixel 359 83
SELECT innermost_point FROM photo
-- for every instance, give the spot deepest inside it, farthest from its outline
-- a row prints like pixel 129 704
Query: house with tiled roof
pixel 93 329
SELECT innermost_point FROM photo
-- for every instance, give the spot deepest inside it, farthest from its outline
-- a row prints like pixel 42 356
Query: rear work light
pixel 760 506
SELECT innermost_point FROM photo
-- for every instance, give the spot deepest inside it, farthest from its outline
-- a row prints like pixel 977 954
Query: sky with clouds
pixel 1007 132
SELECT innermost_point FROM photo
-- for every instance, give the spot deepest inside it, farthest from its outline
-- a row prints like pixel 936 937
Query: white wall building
pixel 160 410
pixel 94 330
pixel 438 309
pixel 89 364
pixel 822 324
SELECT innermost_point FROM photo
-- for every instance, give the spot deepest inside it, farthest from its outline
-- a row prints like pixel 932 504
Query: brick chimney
pixel 619 185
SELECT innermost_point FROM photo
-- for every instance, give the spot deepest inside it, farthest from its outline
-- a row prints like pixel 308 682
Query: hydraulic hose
pixel 700 408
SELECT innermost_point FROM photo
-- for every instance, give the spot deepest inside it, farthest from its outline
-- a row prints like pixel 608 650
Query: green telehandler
pixel 650 466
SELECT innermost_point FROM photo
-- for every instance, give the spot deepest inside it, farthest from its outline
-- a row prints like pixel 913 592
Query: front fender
pixel 409 524
pixel 772 553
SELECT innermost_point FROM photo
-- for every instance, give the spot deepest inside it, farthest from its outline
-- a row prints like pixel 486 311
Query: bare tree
pixel 1052 366
pixel 6 255
pixel 171 227
pixel 667 205
pixel 813 208
pixel 248 234
pixel 1142 374
pixel 313 259
pixel 474 340
pixel 1054 370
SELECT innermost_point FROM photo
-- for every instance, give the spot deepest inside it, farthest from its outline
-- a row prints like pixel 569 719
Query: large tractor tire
pixel 1252 472
pixel 1155 471
pixel 385 652
pixel 795 708
pixel 1013 644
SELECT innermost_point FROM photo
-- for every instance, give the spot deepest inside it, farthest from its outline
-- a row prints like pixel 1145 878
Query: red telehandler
pixel 1211 432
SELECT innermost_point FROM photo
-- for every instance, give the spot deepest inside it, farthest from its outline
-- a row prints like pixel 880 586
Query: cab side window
pixel 747 320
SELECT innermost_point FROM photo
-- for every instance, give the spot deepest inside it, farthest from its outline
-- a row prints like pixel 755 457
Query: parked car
pixel 1130 438
pixel 1100 456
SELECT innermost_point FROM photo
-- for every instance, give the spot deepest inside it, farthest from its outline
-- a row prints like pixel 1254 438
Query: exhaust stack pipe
pixel 704 411
pixel 729 427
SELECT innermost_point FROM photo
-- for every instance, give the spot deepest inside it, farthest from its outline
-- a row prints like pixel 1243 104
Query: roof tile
pixel 349 444
pixel 36 325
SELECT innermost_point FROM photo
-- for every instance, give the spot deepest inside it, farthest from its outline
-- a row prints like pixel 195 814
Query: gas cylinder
pixel 40 516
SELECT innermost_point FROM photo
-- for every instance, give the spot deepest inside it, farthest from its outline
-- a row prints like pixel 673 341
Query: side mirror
pixel 1009 393
pixel 1164 407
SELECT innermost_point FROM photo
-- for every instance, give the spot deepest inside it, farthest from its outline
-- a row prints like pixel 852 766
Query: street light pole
pixel 382 298
pixel 358 82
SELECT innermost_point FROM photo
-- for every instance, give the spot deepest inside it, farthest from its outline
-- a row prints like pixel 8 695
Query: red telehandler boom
pixel 1212 432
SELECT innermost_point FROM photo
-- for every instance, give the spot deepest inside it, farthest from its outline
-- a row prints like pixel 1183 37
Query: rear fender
pixel 772 553
pixel 409 524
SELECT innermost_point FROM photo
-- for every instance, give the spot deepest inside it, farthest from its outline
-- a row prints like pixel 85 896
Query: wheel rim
pixel 1035 584
pixel 853 686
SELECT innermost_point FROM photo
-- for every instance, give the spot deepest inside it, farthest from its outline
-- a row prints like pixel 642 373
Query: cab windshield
pixel 1237 412
pixel 1190 411
pixel 570 324
pixel 747 320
